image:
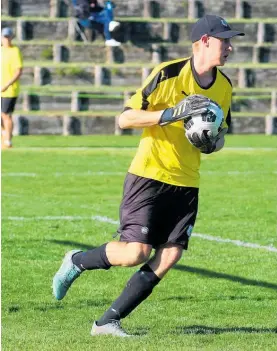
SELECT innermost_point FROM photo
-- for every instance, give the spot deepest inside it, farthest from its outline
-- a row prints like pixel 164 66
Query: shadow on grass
pixel 48 307
pixel 196 270
pixel 74 244
pixel 42 308
pixel 233 278
pixel 140 331
pixel 217 298
pixel 202 329
pixel 93 303
pixel 45 307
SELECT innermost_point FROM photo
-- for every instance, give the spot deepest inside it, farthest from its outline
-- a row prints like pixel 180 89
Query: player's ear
pixel 205 40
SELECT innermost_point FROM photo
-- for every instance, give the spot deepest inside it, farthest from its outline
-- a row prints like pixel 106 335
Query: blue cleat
pixel 65 276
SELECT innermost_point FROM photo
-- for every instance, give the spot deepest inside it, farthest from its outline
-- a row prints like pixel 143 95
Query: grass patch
pixel 217 297
pixel 252 140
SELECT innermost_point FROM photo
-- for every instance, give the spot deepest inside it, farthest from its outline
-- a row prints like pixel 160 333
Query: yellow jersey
pixel 11 60
pixel 164 153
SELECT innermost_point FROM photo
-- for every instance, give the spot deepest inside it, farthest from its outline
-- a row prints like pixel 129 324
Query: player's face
pixel 5 41
pixel 219 50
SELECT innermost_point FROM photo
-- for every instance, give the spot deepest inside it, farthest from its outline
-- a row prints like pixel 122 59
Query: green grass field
pixel 60 193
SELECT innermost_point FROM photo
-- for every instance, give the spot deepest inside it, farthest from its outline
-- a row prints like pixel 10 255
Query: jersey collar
pixel 195 75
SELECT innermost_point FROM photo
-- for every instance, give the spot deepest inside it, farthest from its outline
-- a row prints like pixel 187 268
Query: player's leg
pixel 165 258
pixel 7 109
pixel 103 257
pixel 174 213
pixel 8 128
pixel 114 253
pixel 2 132
pixel 145 216
pixel 138 288
pixel 133 248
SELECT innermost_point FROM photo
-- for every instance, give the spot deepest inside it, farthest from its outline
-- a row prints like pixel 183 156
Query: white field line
pixel 19 174
pixel 10 195
pixel 60 174
pixel 75 148
pixel 103 173
pixel 112 221
pixel 110 148
pixel 234 242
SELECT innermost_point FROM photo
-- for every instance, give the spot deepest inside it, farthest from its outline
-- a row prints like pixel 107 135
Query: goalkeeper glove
pixel 206 143
pixel 188 107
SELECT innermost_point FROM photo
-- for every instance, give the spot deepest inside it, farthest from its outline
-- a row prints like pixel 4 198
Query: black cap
pixel 214 26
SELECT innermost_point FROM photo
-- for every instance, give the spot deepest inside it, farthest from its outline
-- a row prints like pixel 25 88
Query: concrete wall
pixel 106 125
pixel 134 53
pixel 132 76
pixel 138 39
pixel 136 32
pixel 158 8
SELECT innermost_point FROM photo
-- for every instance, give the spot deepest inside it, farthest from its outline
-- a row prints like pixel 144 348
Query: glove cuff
pixel 166 117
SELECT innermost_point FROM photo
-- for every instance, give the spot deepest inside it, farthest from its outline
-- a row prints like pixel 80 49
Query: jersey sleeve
pixel 148 96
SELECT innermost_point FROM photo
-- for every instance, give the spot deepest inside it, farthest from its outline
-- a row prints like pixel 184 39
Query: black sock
pixel 138 288
pixel 92 259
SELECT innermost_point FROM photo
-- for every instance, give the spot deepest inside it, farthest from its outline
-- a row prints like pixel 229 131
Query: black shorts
pixel 156 213
pixel 8 104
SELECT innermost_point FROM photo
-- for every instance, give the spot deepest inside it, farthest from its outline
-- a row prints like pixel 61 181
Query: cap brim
pixel 228 34
pixel 7 35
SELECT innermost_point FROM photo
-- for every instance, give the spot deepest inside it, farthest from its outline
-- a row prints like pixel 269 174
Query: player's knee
pixel 176 255
pixel 173 254
pixel 5 116
pixel 137 253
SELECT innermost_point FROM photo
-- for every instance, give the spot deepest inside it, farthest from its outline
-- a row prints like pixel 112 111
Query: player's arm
pixel 131 118
pixel 141 109
pixel 16 76
pixel 188 107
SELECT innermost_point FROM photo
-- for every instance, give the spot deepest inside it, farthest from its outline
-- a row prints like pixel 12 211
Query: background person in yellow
pixel 11 70
pixel 160 199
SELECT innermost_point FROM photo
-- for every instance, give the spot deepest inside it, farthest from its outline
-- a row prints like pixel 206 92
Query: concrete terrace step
pixel 97 52
pixel 119 90
pixel 111 113
pixel 84 101
pixel 105 122
pixel 144 8
pixel 132 74
pixel 136 30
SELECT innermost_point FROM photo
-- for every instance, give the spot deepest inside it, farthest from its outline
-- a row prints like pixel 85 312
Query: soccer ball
pixel 208 122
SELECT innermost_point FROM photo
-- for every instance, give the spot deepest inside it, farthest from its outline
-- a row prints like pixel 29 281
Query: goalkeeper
pixel 160 199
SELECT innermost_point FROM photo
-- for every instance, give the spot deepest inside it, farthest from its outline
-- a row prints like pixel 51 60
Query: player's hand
pixel 208 148
pixel 204 141
pixel 5 87
pixel 188 107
